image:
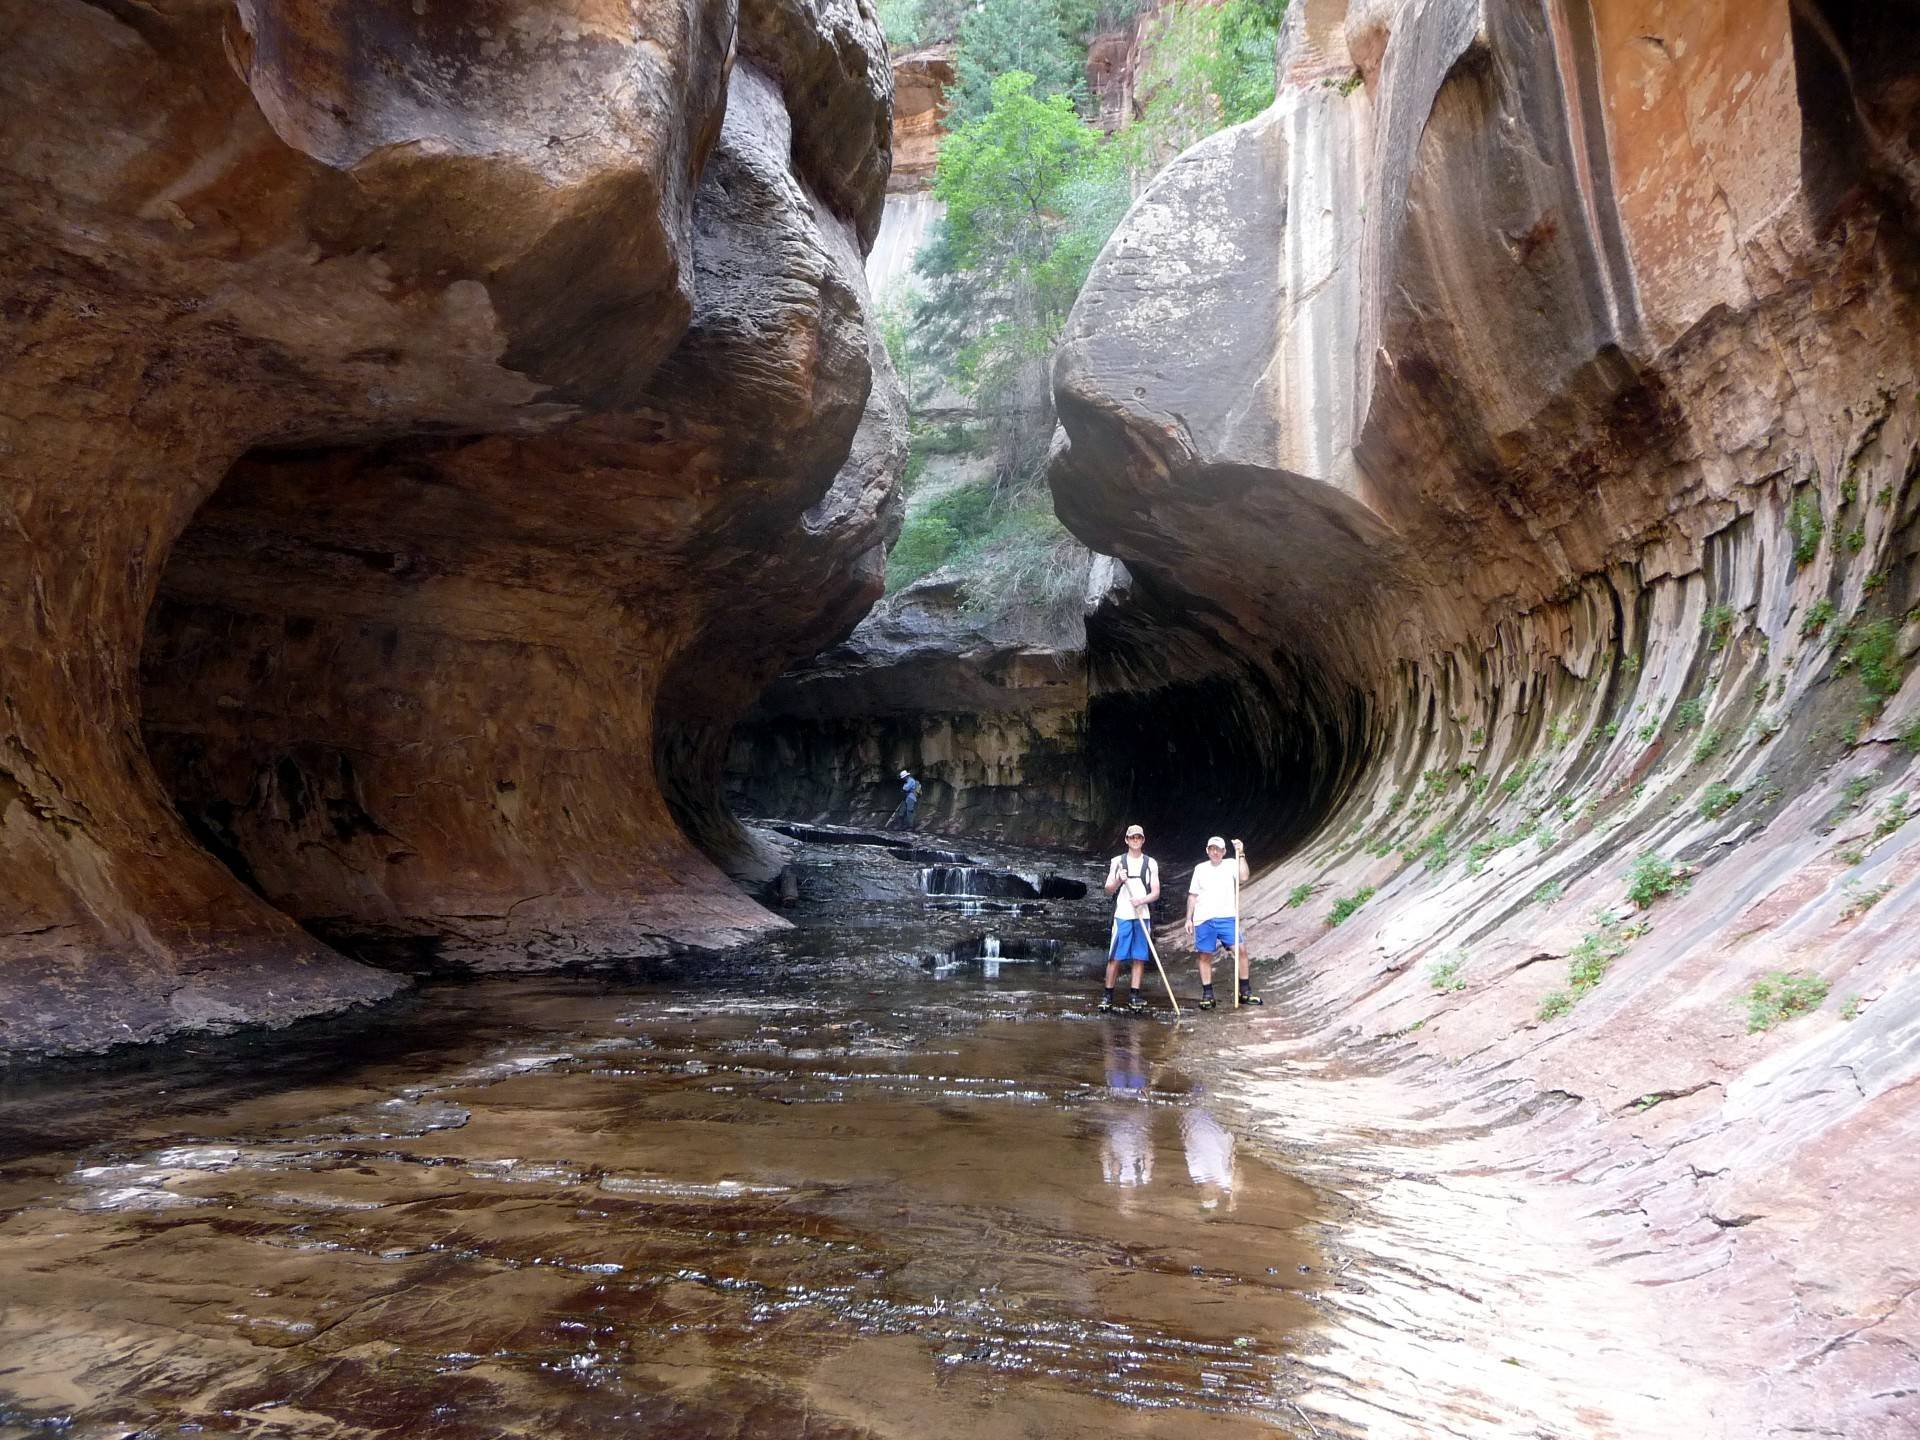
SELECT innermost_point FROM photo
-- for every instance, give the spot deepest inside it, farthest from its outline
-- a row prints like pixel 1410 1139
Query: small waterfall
pixel 990 956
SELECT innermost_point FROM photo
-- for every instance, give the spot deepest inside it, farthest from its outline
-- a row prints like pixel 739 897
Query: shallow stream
pixel 866 1180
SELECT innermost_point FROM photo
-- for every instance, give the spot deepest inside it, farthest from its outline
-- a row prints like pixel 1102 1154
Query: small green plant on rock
pixel 1718 623
pixel 1300 894
pixel 1850 1008
pixel 1862 898
pixel 1910 736
pixel 1445 974
pixel 1875 650
pixel 1707 746
pixel 1689 713
pixel 1646 732
pixel 1651 877
pixel 1719 798
pixel 1856 540
pixel 1555 1004
pixel 1781 995
pixel 1819 615
pixel 1548 892
pixel 1806 525
pixel 1855 790
pixel 1892 816
pixel 1344 907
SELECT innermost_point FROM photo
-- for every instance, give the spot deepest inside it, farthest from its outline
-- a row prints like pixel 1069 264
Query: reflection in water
pixel 1209 1147
pixel 833 1198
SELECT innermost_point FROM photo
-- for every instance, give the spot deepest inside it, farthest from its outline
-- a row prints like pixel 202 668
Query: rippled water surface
pixel 849 1185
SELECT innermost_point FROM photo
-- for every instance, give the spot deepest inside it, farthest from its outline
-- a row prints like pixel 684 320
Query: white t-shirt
pixel 1140 875
pixel 1212 890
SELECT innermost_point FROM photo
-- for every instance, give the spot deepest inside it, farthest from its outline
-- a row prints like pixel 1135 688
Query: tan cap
pixel 1135 830
pixel 1213 840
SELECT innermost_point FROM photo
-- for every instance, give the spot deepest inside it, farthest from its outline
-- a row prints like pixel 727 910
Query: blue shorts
pixel 1129 941
pixel 1209 933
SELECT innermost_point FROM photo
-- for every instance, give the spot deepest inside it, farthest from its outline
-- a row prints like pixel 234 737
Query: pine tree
pixel 1007 35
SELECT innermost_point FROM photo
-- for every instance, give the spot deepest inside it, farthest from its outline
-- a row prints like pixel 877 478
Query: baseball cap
pixel 903 774
pixel 1213 840
pixel 1135 830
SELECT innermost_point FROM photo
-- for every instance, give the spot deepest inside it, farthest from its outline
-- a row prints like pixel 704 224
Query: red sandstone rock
pixel 502 388
pixel 1476 415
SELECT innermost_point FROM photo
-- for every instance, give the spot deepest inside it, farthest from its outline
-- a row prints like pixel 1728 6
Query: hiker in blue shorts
pixel 1212 900
pixel 1134 881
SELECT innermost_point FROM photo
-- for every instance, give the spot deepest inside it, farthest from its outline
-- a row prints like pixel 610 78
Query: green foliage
pixel 1850 1008
pixel 1548 892
pixel 1806 525
pixel 1719 798
pixel 1344 907
pixel 1855 790
pixel 999 38
pixel 1444 975
pixel 925 543
pixel 1554 1005
pixel 1203 67
pixel 1819 614
pixel 1910 736
pixel 1861 899
pixel 1780 995
pixel 1707 746
pixel 1892 816
pixel 1856 540
pixel 1300 894
pixel 1611 729
pixel 1689 713
pixel 1434 848
pixel 1875 651
pixel 1874 582
pixel 1650 878
pixel 1646 732
pixel 1718 623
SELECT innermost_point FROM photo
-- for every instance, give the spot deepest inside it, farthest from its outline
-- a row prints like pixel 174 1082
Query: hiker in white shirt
pixel 1134 880
pixel 1212 900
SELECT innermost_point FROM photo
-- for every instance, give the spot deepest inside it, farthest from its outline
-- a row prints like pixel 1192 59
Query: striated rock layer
pixel 988 709
pixel 1522 418
pixel 421 426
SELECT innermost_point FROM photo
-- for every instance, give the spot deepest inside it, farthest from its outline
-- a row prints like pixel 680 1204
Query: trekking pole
pixel 1236 930
pixel 1146 929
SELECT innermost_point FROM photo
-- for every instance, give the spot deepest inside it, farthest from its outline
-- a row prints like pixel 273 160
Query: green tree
pixel 1032 192
pixel 1204 67
pixel 1006 36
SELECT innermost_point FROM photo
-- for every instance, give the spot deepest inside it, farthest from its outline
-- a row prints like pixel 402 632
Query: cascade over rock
pixel 1521 418
pixel 426 429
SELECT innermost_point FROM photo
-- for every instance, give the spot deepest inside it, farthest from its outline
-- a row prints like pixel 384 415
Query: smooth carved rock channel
pixel 1518 426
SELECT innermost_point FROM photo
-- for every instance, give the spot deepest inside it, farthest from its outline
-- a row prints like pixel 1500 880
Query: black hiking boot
pixel 1107 1007
pixel 1136 1005
pixel 1206 997
pixel 1247 997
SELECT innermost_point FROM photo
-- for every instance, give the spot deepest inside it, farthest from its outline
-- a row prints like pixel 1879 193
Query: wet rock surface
pixel 840 1185
pixel 1514 432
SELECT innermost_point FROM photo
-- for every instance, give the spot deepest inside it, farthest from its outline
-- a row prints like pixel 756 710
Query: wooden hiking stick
pixel 1146 928
pixel 1236 929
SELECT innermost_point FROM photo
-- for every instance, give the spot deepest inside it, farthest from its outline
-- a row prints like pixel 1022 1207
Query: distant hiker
pixel 1134 880
pixel 909 801
pixel 1212 921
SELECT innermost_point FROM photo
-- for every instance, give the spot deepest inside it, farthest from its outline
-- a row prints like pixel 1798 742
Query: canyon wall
pixel 988 709
pixel 424 434
pixel 1522 419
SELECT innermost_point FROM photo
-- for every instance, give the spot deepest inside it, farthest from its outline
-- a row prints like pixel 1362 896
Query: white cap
pixel 1213 840
pixel 903 774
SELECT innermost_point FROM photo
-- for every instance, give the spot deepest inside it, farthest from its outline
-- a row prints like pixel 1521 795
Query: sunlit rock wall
pixel 1525 408
pixel 383 452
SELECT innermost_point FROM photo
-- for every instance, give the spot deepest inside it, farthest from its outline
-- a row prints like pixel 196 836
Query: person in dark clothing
pixel 909 801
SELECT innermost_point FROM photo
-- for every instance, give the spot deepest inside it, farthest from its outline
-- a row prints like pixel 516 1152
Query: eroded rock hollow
pixel 1520 417
pixel 426 428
